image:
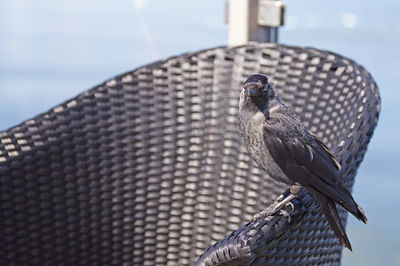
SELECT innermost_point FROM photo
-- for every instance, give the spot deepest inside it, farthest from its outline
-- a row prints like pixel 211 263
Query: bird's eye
pixel 266 88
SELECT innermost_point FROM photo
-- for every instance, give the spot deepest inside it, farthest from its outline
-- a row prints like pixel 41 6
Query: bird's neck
pixel 274 105
pixel 267 105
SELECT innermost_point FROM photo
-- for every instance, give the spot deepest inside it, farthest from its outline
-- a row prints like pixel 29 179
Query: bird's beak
pixel 254 93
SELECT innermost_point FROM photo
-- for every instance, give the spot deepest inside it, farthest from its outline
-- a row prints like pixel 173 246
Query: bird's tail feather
pixel 336 224
pixel 361 215
pixel 329 209
pixel 350 204
pixel 358 212
pixel 342 196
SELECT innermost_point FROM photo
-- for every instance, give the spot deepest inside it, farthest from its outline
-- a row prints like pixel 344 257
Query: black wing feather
pixel 291 150
pixel 319 171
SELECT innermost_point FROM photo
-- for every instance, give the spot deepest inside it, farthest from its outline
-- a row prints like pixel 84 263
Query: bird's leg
pixel 294 192
pixel 280 203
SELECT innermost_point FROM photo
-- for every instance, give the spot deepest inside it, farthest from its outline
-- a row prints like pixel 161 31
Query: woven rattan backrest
pixel 149 169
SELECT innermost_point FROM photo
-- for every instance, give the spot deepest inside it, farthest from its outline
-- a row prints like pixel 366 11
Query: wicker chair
pixel 149 169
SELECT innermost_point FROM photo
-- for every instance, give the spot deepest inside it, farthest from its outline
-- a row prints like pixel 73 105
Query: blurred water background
pixel 52 50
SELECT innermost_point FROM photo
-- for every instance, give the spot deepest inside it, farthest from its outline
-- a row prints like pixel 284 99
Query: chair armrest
pixel 253 242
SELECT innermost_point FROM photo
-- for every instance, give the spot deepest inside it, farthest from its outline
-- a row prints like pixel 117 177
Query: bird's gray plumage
pixel 279 143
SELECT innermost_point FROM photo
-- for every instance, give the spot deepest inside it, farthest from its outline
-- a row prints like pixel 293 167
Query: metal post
pixel 254 20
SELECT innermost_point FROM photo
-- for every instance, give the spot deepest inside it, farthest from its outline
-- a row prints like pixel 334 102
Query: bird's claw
pixel 286 214
pixel 291 205
pixel 278 207
pixel 262 214
pixel 274 210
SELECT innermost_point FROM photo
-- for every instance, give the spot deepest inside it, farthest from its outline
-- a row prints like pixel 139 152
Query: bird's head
pixel 257 86
pixel 259 92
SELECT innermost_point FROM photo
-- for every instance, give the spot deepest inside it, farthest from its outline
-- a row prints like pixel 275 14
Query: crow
pixel 279 143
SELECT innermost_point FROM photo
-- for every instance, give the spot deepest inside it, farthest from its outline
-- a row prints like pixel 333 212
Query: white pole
pixel 254 20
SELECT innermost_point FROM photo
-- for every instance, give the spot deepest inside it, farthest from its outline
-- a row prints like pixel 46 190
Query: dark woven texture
pixel 149 168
